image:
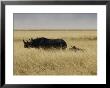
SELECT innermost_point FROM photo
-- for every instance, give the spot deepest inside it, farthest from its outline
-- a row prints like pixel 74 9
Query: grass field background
pixel 56 62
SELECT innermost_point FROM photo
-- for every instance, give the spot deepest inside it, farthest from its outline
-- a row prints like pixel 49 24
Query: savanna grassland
pixel 31 61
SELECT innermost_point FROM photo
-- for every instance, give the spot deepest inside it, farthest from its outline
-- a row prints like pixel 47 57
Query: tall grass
pixel 56 62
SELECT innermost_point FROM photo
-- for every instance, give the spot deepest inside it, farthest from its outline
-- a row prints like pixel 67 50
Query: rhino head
pixel 26 44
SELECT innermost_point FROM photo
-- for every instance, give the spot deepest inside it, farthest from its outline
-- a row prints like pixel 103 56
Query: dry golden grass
pixel 56 62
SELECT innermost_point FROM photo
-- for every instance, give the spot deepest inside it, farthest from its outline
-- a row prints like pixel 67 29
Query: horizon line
pixel 54 29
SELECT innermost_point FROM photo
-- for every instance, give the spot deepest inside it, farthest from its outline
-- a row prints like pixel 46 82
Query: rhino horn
pixel 24 41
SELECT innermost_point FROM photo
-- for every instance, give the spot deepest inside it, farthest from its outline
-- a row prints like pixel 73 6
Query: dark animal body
pixel 45 43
